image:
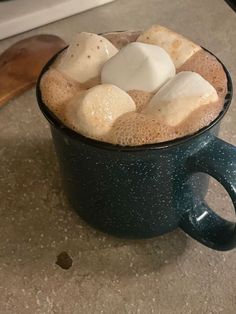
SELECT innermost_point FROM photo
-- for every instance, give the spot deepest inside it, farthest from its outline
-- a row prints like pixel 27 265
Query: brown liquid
pixel 137 128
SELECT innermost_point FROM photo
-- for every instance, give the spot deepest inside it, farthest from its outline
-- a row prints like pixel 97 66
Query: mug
pixel 149 190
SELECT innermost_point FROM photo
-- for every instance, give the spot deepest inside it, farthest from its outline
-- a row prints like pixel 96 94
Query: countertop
pixel 167 274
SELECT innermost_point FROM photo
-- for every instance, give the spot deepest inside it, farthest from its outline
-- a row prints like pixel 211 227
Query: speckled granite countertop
pixel 169 274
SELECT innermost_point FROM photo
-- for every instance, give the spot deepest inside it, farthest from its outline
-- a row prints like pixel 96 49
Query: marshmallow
pixel 83 59
pixel 178 47
pixel 94 111
pixel 181 96
pixel 138 66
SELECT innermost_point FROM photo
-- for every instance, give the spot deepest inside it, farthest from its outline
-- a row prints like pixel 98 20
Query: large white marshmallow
pixel 182 95
pixel 138 66
pixel 94 111
pixel 85 56
pixel 178 47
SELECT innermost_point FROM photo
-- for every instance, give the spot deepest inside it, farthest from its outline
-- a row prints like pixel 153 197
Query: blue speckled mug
pixel 149 190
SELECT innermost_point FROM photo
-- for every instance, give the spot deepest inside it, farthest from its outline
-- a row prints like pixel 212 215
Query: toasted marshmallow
pixel 178 47
pixel 94 111
pixel 181 96
pixel 85 56
pixel 138 66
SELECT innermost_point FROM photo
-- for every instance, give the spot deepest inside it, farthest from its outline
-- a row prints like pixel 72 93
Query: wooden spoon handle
pixel 21 64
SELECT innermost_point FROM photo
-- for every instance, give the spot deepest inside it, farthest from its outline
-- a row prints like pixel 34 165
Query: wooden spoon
pixel 21 64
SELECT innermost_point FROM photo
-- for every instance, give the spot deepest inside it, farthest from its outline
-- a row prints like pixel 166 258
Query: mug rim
pixel 57 123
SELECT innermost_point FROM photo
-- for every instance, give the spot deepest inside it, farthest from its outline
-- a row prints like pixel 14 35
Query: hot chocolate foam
pixel 57 90
pixel 121 39
pixel 141 98
pixel 135 128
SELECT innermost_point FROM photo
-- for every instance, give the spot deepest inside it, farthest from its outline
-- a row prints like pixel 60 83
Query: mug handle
pixel 218 159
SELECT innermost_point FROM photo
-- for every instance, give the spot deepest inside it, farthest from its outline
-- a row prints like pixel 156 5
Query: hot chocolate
pixel 133 88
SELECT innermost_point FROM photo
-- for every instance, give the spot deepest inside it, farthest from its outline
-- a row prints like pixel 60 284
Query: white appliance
pixel 17 16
